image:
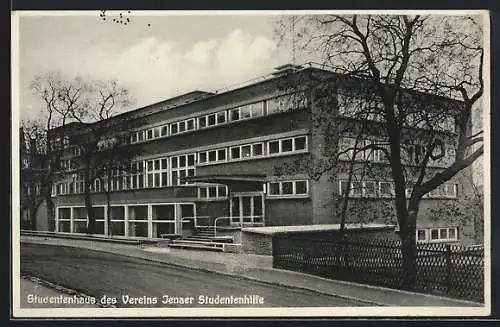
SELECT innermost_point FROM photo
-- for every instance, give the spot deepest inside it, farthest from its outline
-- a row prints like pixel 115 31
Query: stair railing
pixel 196 220
pixel 215 223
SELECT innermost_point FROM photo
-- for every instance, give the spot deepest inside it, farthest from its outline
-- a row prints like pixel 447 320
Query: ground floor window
pixel 138 220
pixel 437 234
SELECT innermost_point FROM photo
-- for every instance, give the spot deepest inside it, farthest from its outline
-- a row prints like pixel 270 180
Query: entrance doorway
pixel 247 208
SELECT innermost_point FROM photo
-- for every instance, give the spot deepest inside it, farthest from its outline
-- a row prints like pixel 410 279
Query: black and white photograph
pixel 250 163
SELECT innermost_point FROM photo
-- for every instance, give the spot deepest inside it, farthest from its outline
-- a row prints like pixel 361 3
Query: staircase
pixel 203 239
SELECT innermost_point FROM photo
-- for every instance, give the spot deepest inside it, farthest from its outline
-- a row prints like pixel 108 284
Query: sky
pixel 155 57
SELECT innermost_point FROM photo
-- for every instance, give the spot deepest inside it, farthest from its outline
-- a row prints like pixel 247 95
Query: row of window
pixel 212 192
pixel 163 219
pixel 288 188
pixel 371 108
pixel 248 111
pixel 437 234
pixel 410 154
pixel 254 150
pixel 385 189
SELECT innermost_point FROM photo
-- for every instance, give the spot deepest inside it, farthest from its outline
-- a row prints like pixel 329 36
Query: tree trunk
pixel 90 213
pixel 88 200
pixel 108 199
pixel 409 251
pixel 50 213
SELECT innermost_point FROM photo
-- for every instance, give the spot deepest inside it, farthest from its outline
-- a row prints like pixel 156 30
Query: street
pixel 128 282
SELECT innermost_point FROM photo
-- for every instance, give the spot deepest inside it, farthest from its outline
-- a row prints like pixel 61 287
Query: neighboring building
pixel 214 156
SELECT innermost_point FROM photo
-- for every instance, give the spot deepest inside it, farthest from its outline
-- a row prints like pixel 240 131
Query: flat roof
pixel 270 230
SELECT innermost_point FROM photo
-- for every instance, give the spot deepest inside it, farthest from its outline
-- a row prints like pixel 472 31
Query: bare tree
pixel 401 60
pixel 99 137
pixel 59 97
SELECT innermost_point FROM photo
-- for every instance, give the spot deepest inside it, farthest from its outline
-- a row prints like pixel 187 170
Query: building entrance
pixel 247 209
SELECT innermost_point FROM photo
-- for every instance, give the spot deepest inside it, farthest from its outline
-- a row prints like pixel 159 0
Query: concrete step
pixel 204 243
pixel 196 247
pixel 221 239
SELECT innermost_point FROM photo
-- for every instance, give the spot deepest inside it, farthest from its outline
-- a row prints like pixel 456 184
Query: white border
pixel 241 312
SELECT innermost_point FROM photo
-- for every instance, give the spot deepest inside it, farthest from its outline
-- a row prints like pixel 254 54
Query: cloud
pixel 155 69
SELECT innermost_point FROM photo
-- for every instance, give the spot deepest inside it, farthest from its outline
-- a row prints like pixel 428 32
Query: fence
pixel 441 269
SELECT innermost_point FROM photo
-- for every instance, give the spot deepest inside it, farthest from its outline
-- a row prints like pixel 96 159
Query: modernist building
pixel 212 158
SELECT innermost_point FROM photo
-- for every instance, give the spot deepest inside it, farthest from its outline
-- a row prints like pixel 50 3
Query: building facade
pixel 220 159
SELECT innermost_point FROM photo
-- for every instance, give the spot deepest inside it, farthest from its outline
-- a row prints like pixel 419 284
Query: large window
pixel 182 166
pixel 288 188
pixel 137 221
pixel 157 172
pixel 163 220
pixel 137 175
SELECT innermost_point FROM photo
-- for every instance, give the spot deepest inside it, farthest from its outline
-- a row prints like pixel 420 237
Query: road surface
pixel 129 282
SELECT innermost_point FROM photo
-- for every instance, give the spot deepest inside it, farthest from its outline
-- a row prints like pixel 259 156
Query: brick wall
pixel 254 243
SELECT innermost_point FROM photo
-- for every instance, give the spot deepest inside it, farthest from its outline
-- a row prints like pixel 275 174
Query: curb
pixel 234 276
pixel 406 292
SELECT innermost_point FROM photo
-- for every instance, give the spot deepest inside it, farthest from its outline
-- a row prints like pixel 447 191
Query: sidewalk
pixel 258 268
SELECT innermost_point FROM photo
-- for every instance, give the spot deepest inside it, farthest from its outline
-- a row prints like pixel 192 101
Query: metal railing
pixel 240 221
pixel 195 219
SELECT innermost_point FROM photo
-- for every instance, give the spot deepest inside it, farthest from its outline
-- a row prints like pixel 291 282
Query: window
pixel 212 119
pixel 246 151
pixel 434 234
pixel 274 147
pixel 288 188
pixel 300 187
pixel 346 148
pixel 235 152
pixel 221 155
pixel 182 166
pixel 140 136
pixel 369 189
pixel 421 235
pixel 357 189
pixel 287 145
pixel 190 124
pixel 149 134
pixel 157 172
pixel 221 117
pixel 257 149
pixel 164 130
pixel 202 122
pixel 274 188
pixel 386 189
pixel 137 175
pixel 300 143
pixel 174 128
